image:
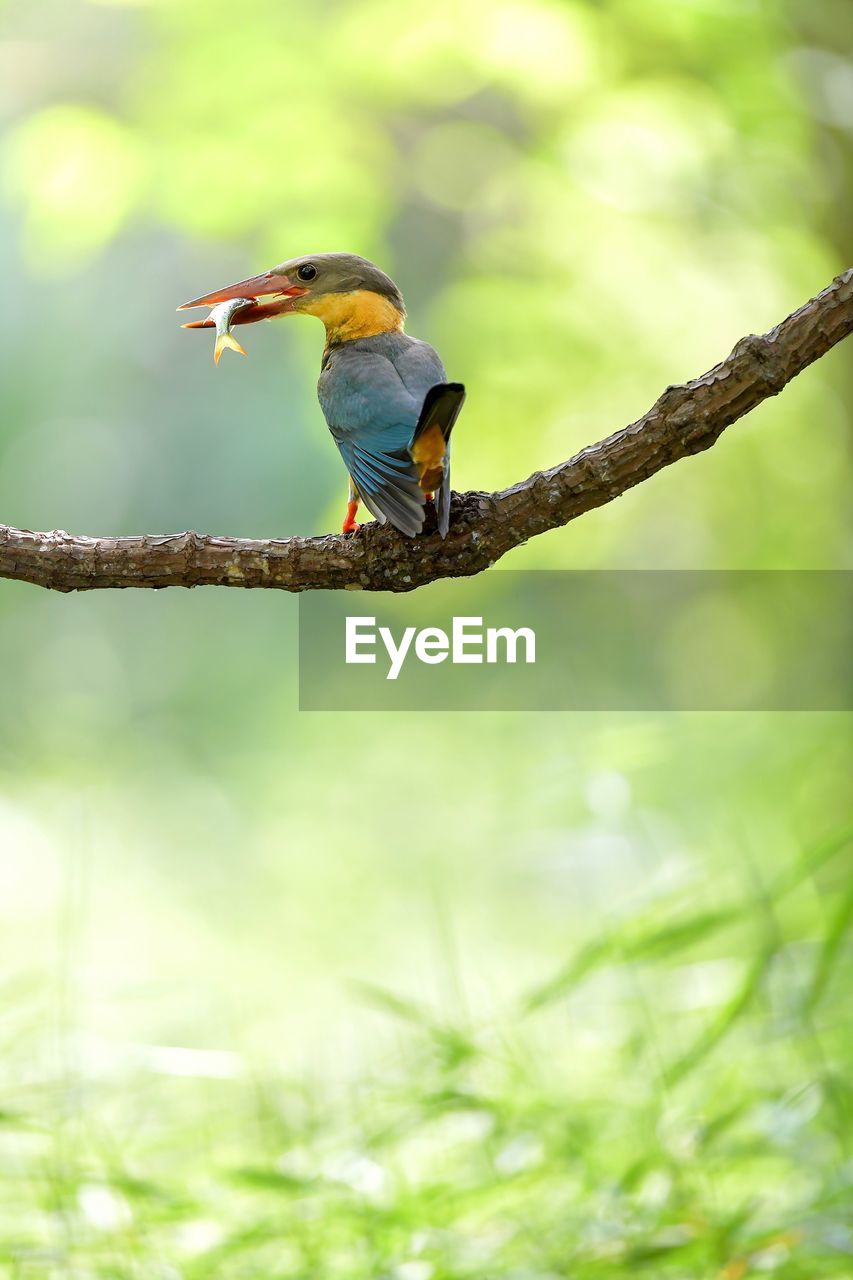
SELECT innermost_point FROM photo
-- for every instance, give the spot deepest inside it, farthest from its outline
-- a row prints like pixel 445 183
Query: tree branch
pixel 685 420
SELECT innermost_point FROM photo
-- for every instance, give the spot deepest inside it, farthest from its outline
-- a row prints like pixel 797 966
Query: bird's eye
pixel 307 271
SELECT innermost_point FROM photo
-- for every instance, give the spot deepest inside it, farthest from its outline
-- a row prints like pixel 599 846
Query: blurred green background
pixel 434 996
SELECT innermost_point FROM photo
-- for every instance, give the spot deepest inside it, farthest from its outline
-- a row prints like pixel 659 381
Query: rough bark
pixel 484 526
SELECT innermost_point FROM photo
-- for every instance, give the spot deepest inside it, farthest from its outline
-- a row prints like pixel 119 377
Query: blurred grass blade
pixel 453 1044
pixel 812 860
pixel 589 958
pixel 637 942
pixel 726 1019
pixel 830 952
pixel 389 1002
pixel 661 943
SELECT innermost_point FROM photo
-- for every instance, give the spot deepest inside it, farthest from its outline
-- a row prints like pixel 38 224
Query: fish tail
pixel 224 340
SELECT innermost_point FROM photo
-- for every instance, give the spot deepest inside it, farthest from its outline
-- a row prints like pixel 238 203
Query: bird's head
pixel 352 297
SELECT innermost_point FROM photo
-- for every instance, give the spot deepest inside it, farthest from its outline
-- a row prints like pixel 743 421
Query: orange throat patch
pixel 347 316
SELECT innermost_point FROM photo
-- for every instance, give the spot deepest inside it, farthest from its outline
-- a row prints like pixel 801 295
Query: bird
pixel 384 394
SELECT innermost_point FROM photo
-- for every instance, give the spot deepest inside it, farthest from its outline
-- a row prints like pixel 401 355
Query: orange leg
pixel 349 525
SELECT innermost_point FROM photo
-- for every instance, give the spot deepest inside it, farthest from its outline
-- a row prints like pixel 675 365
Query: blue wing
pixel 372 397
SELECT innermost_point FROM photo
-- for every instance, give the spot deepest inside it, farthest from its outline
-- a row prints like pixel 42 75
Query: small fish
pixel 222 316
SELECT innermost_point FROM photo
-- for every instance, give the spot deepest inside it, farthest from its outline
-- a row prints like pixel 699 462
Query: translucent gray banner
pixel 584 641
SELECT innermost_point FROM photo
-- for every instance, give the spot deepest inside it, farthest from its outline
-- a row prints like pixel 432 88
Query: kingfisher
pixel 384 395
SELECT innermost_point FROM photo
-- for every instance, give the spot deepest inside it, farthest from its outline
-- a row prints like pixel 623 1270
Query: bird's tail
pixel 429 447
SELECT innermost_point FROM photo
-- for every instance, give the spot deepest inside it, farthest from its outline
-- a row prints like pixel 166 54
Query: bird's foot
pixel 429 497
pixel 349 525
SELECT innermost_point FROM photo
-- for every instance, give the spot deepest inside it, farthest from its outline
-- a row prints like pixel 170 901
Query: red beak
pixel 274 294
